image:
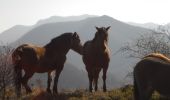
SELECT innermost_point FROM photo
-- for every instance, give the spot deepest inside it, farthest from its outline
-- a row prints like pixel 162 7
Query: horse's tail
pixel 18 77
pixel 136 90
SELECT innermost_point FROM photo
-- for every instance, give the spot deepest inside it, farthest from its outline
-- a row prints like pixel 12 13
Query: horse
pixel 158 55
pixel 35 59
pixel 96 56
pixel 152 74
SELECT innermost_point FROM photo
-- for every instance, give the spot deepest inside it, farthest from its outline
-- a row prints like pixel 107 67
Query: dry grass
pixel 124 93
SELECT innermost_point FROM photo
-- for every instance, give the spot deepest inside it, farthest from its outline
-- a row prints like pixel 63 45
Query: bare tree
pixel 6 70
pixel 146 44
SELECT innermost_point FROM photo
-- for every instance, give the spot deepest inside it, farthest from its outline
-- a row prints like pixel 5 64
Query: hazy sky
pixel 28 12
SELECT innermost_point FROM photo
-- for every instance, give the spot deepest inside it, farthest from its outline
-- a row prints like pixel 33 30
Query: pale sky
pixel 28 12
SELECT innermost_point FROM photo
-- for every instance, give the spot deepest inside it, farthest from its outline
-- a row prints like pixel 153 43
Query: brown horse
pixel 96 56
pixel 158 55
pixel 51 57
pixel 152 74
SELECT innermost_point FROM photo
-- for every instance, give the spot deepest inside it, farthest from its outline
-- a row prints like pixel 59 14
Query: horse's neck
pixel 100 43
pixel 57 49
pixel 78 49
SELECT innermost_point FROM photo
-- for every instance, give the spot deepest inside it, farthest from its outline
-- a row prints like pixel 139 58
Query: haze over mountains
pixel 156 27
pixel 119 34
pixel 14 33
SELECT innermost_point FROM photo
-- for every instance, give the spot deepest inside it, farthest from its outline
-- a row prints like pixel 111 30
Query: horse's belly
pixel 164 93
pixel 163 88
pixel 43 69
pixel 38 69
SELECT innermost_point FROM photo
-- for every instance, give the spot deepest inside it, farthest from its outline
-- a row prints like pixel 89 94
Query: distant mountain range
pixel 145 25
pixel 156 27
pixel 119 34
pixel 14 33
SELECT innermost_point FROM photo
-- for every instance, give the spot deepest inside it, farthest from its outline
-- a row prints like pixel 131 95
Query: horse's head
pixel 76 44
pixel 102 33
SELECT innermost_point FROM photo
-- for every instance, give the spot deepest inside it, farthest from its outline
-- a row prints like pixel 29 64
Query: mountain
pixel 14 33
pixel 119 34
pixel 156 27
pixel 18 31
pixel 152 26
pixel 54 19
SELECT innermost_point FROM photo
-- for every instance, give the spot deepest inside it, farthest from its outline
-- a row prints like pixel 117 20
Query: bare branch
pixel 6 69
pixel 147 43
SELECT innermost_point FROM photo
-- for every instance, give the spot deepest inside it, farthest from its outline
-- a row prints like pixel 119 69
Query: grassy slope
pixel 124 93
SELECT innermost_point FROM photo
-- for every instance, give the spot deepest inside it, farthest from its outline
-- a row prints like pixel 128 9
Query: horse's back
pixel 28 54
pixel 151 65
pixel 154 73
pixel 158 55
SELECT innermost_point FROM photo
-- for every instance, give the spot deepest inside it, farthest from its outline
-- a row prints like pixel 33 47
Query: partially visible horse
pixel 158 55
pixel 151 74
pixel 52 56
pixel 96 56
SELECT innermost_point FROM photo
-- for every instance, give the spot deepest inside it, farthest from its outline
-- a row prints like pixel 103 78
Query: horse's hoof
pixel 90 91
pixel 28 91
pixel 18 96
pixel 96 89
pixel 49 91
pixel 55 94
pixel 104 90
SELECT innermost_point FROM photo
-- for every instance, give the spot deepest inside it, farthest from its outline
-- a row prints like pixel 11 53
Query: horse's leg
pixel 136 88
pixel 149 92
pixel 90 76
pixel 96 76
pixel 49 82
pixel 104 77
pixel 25 79
pixel 144 88
pixel 57 74
pixel 146 93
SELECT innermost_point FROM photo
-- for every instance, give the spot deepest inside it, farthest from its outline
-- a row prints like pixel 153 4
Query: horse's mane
pixel 158 55
pixel 63 37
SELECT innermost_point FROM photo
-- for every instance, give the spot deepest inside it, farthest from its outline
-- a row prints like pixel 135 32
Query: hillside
pixel 156 27
pixel 14 33
pixel 123 93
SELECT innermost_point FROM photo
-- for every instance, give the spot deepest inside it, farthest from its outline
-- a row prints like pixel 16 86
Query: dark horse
pixel 51 57
pixel 96 56
pixel 152 74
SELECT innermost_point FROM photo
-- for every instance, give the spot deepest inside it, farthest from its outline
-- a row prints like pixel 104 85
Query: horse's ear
pixel 108 28
pixel 75 34
pixel 97 28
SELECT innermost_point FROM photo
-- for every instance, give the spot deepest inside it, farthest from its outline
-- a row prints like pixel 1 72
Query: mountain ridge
pixel 12 34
